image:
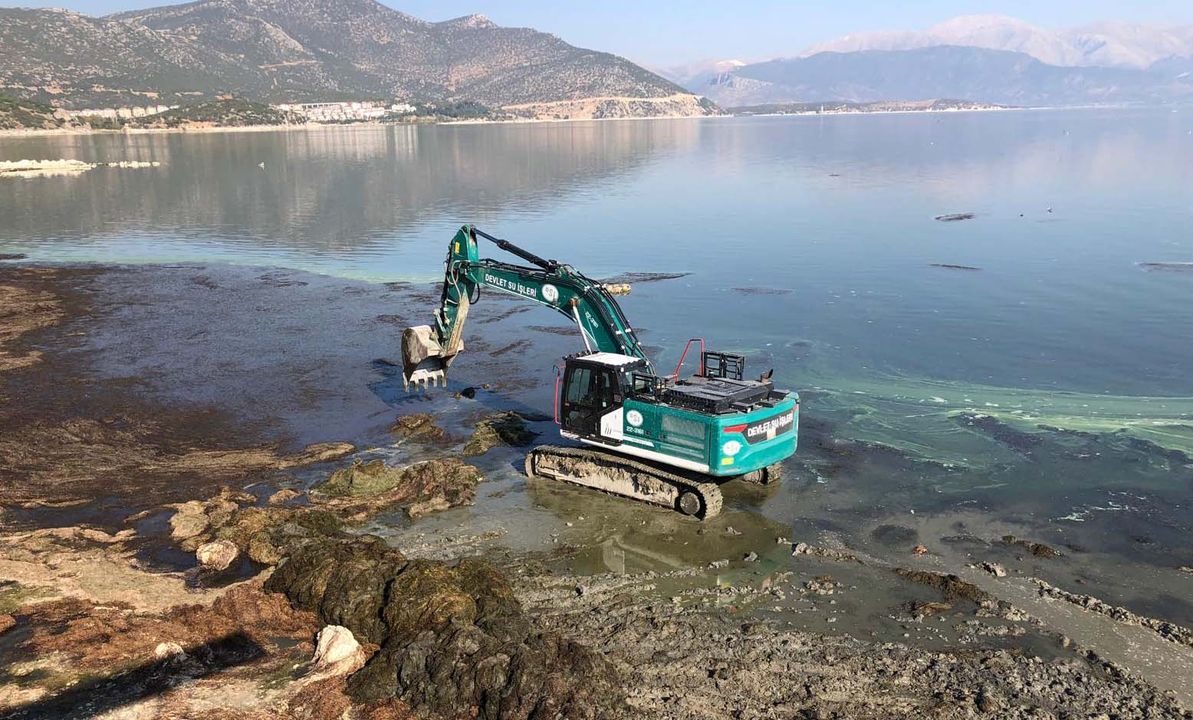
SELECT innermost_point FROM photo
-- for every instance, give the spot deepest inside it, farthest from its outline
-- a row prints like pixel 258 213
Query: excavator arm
pixel 428 350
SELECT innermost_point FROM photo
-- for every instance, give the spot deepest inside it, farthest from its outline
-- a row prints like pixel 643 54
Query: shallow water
pixel 812 246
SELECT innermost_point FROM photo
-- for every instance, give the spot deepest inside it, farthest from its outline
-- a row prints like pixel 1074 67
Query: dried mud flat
pixel 118 475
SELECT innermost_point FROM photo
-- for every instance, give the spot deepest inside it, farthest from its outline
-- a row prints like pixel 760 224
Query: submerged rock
pixel 361 478
pixel 1037 549
pixel 928 609
pixel 994 569
pixel 283 496
pixel 454 640
pixel 999 431
pixel 7 622
pixel 950 586
pixel 508 428
pixel 365 488
pixel 419 426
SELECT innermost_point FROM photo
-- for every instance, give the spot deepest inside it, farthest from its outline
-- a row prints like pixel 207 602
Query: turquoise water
pixel 816 230
pixel 811 245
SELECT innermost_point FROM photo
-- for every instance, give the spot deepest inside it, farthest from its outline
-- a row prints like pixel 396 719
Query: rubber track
pixel 710 493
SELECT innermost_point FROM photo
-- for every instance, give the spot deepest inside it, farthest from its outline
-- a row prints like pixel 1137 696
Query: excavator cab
pixel 593 389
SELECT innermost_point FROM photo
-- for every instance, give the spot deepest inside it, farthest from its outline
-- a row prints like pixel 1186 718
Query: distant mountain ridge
pixel 1122 45
pixel 975 74
pixel 276 50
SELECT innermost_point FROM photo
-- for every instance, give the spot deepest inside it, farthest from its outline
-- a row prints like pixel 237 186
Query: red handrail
pixel 685 354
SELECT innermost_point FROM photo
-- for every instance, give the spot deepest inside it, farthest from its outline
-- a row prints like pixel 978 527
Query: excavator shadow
pixel 456 402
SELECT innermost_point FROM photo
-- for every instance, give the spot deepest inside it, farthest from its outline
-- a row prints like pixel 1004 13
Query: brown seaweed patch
pixel 955 217
pixel 516 346
pixel 96 637
pixel 128 453
pixel 23 310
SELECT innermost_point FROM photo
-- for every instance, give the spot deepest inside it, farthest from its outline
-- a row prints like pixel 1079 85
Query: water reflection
pixel 335 190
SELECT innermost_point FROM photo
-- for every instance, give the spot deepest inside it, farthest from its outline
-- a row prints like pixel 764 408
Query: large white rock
pixel 336 650
pixel 217 555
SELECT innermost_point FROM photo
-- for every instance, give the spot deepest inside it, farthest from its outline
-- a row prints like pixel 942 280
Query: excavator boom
pixel 428 350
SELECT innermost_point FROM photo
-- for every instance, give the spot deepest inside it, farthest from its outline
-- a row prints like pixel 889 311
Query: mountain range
pixel 311 50
pixel 1120 45
pixel 981 58
pixel 993 76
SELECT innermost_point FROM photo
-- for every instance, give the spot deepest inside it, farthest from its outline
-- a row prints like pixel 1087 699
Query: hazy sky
pixel 662 33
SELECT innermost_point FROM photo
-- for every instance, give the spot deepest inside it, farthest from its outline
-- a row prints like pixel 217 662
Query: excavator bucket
pixel 423 364
pixel 425 358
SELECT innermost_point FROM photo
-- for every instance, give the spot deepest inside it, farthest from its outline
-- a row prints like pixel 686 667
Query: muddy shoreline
pixel 146 413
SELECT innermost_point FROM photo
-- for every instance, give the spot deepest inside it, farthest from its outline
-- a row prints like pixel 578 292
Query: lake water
pixel 1037 392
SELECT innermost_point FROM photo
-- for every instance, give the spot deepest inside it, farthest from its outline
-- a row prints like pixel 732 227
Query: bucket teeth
pixel 425 379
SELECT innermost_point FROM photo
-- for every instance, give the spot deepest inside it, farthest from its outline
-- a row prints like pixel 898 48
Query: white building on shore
pixel 116 113
pixel 345 111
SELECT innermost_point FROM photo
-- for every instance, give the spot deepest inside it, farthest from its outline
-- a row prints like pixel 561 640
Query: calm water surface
pixel 811 246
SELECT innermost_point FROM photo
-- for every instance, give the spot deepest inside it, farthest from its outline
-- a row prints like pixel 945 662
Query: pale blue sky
pixel 663 33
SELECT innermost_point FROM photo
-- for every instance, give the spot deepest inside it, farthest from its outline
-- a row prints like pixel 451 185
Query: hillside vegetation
pixel 235 112
pixel 301 50
pixel 22 114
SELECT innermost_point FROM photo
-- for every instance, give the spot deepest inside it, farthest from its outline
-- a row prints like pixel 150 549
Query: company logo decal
pixel 770 428
pixel 550 293
pixel 634 418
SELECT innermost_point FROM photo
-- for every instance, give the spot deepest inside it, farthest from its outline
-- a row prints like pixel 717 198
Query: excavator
pixel 659 439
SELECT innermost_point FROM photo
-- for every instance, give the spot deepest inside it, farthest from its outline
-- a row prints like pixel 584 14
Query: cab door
pixel 589 392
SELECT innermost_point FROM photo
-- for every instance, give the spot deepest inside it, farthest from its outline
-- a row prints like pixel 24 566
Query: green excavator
pixel 663 440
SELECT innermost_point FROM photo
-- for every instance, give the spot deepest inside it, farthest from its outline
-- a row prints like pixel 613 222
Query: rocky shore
pixel 205 535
